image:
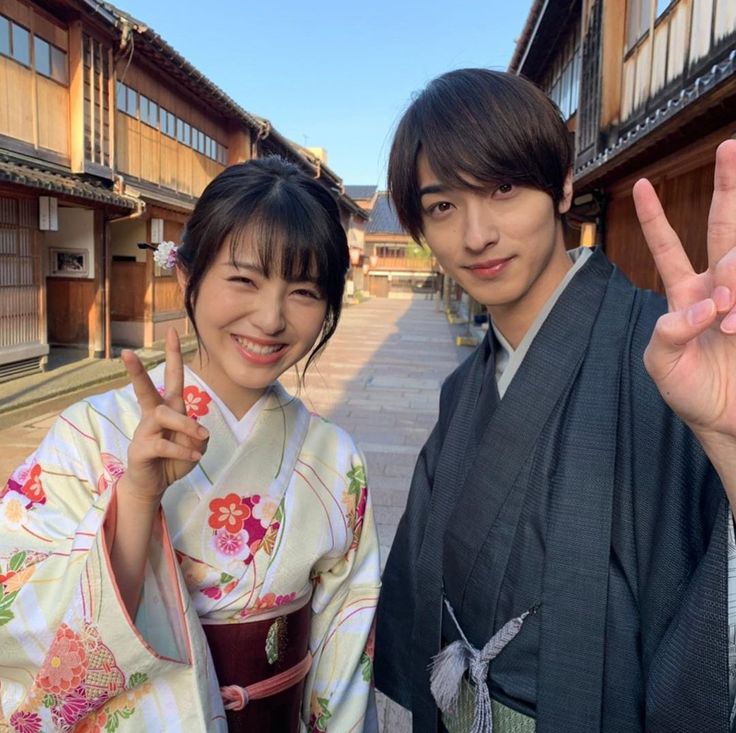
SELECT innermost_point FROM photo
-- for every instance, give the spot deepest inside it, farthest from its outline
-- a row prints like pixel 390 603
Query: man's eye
pixel 505 188
pixel 440 207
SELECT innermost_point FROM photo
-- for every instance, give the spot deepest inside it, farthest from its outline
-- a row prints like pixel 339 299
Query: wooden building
pixel 107 138
pixel 649 89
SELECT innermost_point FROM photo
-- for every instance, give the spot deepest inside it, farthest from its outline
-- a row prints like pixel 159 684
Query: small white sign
pixel 48 214
pixel 157 231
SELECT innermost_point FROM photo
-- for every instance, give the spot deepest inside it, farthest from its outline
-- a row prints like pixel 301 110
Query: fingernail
pixel 196 455
pixel 700 312
pixel 722 298
pixel 728 324
pixel 202 433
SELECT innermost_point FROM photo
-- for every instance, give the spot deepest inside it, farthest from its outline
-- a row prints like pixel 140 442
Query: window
pixel 638 18
pixel 152 113
pixel 187 134
pixel 180 130
pixel 120 96
pixel 144 108
pixel 42 56
pixel 21 40
pixel 58 65
pixel 4 36
pixel 170 124
pixel 563 82
pixel 131 105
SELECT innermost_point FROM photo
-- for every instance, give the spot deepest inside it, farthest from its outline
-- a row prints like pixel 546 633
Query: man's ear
pixel 566 201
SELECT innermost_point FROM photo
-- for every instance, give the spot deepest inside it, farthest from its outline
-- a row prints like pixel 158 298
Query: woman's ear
pixel 566 201
pixel 181 278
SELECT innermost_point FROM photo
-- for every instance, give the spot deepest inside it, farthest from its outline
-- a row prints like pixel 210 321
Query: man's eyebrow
pixel 433 188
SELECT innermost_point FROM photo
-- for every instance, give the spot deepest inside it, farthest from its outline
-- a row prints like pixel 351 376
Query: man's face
pixel 503 244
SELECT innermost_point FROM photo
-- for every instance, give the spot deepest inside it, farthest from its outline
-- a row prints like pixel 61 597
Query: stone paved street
pixel 379 379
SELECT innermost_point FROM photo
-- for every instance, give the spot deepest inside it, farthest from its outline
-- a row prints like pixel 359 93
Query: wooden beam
pixel 76 97
pixel 613 26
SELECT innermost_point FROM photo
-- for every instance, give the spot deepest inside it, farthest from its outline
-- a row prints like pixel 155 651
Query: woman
pixel 202 514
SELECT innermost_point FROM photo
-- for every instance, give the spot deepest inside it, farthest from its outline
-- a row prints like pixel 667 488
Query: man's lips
pixel 489 268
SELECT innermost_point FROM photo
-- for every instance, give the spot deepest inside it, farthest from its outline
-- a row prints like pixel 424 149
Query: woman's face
pixel 252 328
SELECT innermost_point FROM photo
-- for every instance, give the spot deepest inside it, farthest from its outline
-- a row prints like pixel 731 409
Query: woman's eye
pixel 241 279
pixel 308 293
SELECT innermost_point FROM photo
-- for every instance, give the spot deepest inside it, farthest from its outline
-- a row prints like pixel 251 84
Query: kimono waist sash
pixel 261 666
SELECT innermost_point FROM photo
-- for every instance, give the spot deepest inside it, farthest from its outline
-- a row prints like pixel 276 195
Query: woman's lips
pixel 259 351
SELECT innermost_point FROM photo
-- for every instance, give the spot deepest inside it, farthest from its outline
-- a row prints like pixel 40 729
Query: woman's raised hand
pixel 166 444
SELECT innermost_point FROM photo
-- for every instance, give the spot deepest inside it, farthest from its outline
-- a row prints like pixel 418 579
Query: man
pixel 565 541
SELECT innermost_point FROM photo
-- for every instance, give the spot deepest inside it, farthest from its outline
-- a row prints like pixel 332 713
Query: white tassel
pixel 446 672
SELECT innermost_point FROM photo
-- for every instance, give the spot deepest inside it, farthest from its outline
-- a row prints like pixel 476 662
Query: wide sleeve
pixel 67 644
pixel 338 687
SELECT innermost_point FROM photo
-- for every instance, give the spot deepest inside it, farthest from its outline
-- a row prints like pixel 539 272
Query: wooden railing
pixel 415 264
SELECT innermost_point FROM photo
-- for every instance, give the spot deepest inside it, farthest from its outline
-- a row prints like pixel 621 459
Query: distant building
pixel 649 90
pixel 107 137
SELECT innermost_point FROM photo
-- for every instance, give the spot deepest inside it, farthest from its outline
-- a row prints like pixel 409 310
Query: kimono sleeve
pixel 339 686
pixel 67 643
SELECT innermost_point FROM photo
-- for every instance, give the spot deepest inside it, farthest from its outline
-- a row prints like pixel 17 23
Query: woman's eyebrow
pixel 247 266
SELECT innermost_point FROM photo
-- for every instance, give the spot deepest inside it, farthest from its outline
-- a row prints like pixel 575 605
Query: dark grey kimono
pixel 582 491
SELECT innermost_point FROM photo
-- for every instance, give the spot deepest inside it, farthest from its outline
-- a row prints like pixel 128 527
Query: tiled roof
pixel 28 174
pixel 383 218
pixel 360 192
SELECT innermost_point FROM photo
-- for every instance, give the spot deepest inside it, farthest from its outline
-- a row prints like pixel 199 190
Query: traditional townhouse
pixel 107 137
pixel 649 89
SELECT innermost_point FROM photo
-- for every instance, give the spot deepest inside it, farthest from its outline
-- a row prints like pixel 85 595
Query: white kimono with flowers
pixel 259 526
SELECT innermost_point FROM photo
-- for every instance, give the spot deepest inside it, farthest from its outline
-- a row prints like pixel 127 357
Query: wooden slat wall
pixel 21 320
pixel 686 200
pixel 53 115
pixel 167 296
pixel 128 293
pixel 16 101
pixel 679 25
pixel 725 19
pixel 71 310
pixel 700 29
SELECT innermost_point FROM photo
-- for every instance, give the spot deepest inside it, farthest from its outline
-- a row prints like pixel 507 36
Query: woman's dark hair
pixel 491 125
pixel 292 219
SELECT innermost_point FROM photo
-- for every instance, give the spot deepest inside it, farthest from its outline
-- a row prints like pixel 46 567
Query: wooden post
pixel 76 97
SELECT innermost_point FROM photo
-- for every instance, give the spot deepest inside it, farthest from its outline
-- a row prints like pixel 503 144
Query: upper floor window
pixel 563 80
pixel 639 18
pixel 15 41
pixel 49 60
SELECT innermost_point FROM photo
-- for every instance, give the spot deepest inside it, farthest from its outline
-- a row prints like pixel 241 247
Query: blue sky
pixel 334 74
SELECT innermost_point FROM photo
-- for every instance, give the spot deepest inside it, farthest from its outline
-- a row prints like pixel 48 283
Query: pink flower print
pixel 75 706
pixel 212 592
pixel 229 513
pixel 114 469
pixel 65 665
pixel 196 401
pixel 230 544
pixel 24 722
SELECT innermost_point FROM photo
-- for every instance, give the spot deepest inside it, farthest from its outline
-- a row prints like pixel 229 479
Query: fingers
pixel 673 332
pixel 164 419
pixel 145 391
pixel 174 371
pixel 664 244
pixel 722 216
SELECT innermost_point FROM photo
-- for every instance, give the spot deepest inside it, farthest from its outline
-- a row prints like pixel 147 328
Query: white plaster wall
pixel 76 231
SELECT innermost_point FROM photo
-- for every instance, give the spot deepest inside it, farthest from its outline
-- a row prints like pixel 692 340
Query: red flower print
pixel 212 592
pixel 229 513
pixel 196 401
pixel 24 722
pixel 229 543
pixel 32 488
pixel 65 665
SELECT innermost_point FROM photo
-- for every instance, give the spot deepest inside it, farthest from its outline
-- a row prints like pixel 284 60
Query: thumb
pixel 672 334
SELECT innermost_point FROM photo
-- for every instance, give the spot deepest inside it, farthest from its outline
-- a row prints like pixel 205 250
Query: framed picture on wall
pixel 68 262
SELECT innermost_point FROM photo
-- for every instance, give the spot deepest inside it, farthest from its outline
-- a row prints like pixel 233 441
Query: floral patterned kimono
pixel 261 525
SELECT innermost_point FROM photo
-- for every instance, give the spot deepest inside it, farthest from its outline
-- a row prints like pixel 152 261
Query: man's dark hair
pixel 491 125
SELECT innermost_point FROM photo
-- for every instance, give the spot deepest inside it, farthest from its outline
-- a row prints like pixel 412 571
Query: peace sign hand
pixel 692 352
pixel 166 444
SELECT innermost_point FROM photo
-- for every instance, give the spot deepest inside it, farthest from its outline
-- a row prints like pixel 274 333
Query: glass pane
pixel 187 134
pixel 41 56
pixel 144 108
pixel 58 65
pixel 132 106
pixel 4 35
pixel 171 126
pixel 180 130
pixel 21 45
pixel 152 113
pixel 120 95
